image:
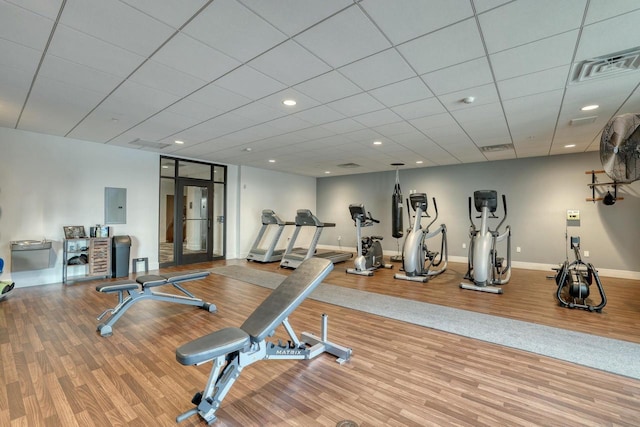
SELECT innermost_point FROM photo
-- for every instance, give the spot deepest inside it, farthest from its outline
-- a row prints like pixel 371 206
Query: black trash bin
pixel 120 249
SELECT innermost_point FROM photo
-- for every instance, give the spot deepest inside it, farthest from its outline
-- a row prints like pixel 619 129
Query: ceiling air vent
pixel 349 165
pixel 494 148
pixel 607 65
pixel 149 144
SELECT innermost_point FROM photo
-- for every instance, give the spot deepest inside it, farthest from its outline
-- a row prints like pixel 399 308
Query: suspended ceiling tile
pixel 258 112
pixel 513 24
pixel 533 57
pixel 328 87
pixel 195 110
pixel 252 134
pixel 218 97
pixel 403 92
pixel 14 87
pixel 48 9
pixel 529 84
pixel 378 70
pixel 327 39
pixel 533 113
pixel 390 130
pixel 276 100
pixel 100 126
pixel 289 123
pixel 601 10
pixel 116 23
pixel 74 74
pixel 485 94
pixel 84 49
pixel 133 97
pixel 161 77
pixel 460 76
pixel 609 36
pixel 293 16
pixel 24 27
pixel 233 29
pixel 289 63
pixel 444 48
pixel 356 104
pixel 319 115
pixel 422 108
pixel 18 57
pixel 485 5
pixel 415 17
pixel 195 58
pixel 343 126
pixel 249 83
pixel 67 104
pixel 376 118
pixel 434 121
pixel 172 12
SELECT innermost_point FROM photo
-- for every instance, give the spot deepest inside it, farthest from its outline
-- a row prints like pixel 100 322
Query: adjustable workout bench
pixel 143 291
pixel 231 349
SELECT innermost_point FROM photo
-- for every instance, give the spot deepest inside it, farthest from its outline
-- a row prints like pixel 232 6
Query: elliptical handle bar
pixel 471 215
pixel 435 206
pixel 504 205
pixel 372 219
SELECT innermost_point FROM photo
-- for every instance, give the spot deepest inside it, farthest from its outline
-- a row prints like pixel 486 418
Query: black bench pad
pixel 181 276
pixel 118 286
pixel 151 280
pixel 218 343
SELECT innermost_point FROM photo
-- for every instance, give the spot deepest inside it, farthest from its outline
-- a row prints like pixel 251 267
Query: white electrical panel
pixel 573 215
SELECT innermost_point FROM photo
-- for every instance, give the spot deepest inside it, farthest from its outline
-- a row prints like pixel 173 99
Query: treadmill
pixel 293 256
pixel 270 253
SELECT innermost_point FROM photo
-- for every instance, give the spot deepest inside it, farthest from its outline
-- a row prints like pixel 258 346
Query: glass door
pixel 193 212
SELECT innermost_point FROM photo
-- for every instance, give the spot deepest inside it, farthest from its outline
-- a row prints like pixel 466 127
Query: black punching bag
pixel 396 207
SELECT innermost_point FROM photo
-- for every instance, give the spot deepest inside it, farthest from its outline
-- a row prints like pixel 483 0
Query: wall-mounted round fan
pixel 620 148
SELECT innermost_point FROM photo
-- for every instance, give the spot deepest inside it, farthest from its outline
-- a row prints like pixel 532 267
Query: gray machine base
pixel 472 287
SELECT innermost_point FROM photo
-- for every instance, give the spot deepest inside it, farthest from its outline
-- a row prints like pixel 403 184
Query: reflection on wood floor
pixel 57 370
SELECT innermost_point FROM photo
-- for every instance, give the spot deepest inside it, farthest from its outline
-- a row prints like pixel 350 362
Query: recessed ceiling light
pixel 419 162
pixel 327 171
pixel 177 141
pixel 589 107
pixel 271 161
pixel 569 145
pixel 247 149
pixel 289 102
pixel 377 142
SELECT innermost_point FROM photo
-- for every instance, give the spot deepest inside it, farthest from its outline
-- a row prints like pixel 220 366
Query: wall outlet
pixel 464 246
pixel 586 254
pixel 518 249
pixel 339 238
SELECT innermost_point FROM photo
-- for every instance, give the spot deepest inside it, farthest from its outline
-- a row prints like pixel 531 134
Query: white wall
pixel 283 193
pixel 539 191
pixel 47 182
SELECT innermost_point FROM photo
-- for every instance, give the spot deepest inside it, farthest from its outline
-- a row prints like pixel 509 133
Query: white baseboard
pixel 603 272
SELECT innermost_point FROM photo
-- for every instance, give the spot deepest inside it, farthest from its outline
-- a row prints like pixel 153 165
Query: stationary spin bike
pixel 417 259
pixel 370 256
pixel 486 268
pixel 575 278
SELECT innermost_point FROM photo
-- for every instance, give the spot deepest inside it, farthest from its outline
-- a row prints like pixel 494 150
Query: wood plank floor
pixel 57 371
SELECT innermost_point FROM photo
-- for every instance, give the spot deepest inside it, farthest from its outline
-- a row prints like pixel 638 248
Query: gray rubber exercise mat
pixel 616 356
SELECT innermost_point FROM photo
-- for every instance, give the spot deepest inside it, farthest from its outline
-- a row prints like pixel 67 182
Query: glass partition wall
pixel 192 212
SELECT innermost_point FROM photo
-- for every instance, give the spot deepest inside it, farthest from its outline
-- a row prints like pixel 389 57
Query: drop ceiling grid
pixel 400 77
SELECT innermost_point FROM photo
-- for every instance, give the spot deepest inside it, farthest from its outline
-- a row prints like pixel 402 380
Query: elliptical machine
pixel 417 259
pixel 370 255
pixel 486 269
pixel 575 278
